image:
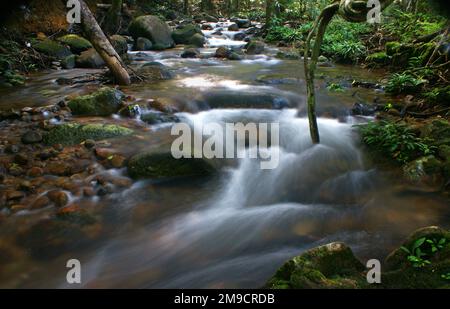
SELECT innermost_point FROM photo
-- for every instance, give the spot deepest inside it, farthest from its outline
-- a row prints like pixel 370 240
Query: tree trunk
pixel 269 11
pixel 102 45
pixel 186 7
pixel 113 17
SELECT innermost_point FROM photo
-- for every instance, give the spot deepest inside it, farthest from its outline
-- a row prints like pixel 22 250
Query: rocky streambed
pixel 86 173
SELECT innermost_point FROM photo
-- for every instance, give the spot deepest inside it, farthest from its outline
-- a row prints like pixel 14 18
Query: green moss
pixel 103 102
pixel 76 43
pixel 164 165
pixel 74 133
pixel 378 58
pixel 392 48
pixel 52 48
pixel 183 35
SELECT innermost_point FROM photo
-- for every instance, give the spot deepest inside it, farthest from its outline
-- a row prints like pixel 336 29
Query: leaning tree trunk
pixel 103 46
pixel 350 10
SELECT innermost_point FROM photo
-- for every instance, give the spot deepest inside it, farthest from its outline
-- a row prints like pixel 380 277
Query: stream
pixel 236 228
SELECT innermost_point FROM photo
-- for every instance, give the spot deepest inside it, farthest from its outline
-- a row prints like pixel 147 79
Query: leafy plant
pixel 446 276
pixel 335 87
pixel 416 255
pixel 396 140
pixel 422 249
pixel 403 83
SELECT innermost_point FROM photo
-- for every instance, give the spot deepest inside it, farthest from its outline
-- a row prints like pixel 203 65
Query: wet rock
pixel 255 48
pixel 59 168
pixel 190 53
pixel 163 165
pixel 153 71
pixel 158 117
pixel 21 159
pixel 197 40
pixel 228 99
pixel 89 143
pixel 103 102
pixel 69 62
pixel 31 137
pixel 287 55
pixel 40 202
pixel 425 171
pixel 103 153
pixel 76 43
pixel 207 27
pixel 239 36
pixel 11 148
pixel 117 161
pixel 143 44
pixel 12 195
pixel 210 18
pixel 243 23
pixel 120 44
pixel 15 170
pixel 59 198
pixel 328 266
pixel 233 27
pixel 52 49
pixel 234 56
pixel 74 133
pixel 152 28
pixel 90 59
pixel 223 52
pixel 35 172
pixel 184 34
pixel 363 109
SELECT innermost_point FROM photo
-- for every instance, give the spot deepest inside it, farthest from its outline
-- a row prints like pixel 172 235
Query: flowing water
pixel 236 228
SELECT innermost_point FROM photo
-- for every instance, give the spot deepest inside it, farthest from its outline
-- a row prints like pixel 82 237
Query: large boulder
pixel 75 133
pixel 162 164
pixel 185 33
pixel 52 49
pixel 76 43
pixel 153 71
pixel 243 23
pixel 89 59
pixel 104 102
pixel 328 266
pixel 152 28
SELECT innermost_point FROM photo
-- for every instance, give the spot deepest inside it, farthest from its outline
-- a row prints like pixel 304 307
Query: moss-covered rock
pixel 76 43
pixel 104 102
pixel 152 28
pixel 255 48
pixel 69 62
pixel 197 40
pixel 158 118
pixel 143 44
pixel 119 43
pixel 335 266
pixel 328 266
pixel 392 48
pixel 162 164
pixel 90 59
pixel 185 33
pixel 52 49
pixel 380 58
pixel 75 133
